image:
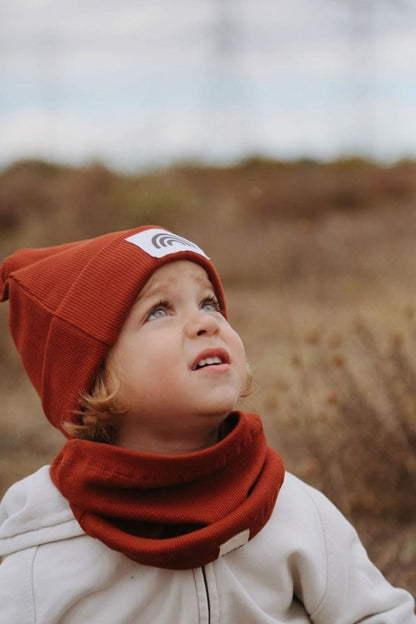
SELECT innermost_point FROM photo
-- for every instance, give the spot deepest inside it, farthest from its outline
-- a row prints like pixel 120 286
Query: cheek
pixel 112 361
pixel 240 357
pixel 238 343
pixel 119 364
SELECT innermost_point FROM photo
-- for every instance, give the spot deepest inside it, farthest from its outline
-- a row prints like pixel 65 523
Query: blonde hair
pixel 99 414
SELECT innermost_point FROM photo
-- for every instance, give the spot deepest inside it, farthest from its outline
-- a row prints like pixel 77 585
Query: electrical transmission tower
pixel 365 70
pixel 226 98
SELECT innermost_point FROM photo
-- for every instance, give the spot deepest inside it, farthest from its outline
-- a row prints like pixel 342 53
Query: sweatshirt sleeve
pixel 356 591
pixel 16 596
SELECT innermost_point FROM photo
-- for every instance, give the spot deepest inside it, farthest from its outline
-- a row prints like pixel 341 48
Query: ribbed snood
pixel 173 511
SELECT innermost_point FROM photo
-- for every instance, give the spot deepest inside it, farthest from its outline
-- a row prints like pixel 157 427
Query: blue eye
pixel 158 311
pixel 211 304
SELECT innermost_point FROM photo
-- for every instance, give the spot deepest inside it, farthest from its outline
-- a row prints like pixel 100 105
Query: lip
pixel 211 353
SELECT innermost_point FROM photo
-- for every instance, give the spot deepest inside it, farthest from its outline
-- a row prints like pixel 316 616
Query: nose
pixel 202 324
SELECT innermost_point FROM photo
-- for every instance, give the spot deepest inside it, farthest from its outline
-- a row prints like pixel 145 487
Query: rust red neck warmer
pixel 173 511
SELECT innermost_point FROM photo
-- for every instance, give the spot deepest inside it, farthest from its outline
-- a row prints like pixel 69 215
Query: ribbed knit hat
pixel 67 305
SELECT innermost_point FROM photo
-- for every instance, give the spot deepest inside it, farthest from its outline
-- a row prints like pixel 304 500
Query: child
pixel 165 506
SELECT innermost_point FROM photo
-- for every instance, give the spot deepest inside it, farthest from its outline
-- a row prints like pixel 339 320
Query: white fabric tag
pixel 235 542
pixel 159 243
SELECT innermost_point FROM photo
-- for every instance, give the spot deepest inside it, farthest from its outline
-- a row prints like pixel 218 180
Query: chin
pixel 219 412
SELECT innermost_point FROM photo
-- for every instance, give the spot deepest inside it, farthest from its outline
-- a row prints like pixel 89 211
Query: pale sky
pixel 139 82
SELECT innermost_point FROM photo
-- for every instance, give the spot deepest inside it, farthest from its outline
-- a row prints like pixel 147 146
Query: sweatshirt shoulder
pixel 297 497
pixel 34 512
pixel 354 589
pixel 311 513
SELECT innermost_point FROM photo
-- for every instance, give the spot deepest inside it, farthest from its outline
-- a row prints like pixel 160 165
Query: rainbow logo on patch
pixel 159 243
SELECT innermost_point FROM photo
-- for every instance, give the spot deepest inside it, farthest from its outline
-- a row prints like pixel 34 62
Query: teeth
pixel 208 362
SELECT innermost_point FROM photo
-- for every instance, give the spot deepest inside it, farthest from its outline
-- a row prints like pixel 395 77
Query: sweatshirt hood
pixel 34 512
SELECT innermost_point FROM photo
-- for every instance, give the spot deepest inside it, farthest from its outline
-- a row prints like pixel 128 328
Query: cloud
pixel 130 81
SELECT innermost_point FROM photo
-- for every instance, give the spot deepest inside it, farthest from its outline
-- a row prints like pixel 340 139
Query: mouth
pixel 211 357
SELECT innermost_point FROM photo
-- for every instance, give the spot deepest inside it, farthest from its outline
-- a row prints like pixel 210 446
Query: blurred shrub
pixel 353 408
pixel 96 198
pixel 154 198
pixel 25 188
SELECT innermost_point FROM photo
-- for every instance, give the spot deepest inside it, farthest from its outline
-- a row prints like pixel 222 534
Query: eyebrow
pixel 150 289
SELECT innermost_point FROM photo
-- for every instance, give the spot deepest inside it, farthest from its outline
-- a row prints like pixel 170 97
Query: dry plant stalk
pixel 357 420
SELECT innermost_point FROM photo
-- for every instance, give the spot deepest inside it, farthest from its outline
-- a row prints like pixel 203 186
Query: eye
pixel 211 304
pixel 159 310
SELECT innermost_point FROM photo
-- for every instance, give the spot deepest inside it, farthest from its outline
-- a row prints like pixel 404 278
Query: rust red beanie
pixel 67 305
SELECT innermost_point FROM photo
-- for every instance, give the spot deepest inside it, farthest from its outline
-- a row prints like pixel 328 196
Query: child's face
pixel 180 365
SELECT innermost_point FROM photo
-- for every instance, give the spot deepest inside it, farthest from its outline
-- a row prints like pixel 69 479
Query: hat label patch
pixel 159 243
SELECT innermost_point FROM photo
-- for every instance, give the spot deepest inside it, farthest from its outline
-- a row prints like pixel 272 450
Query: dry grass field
pixel 319 267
